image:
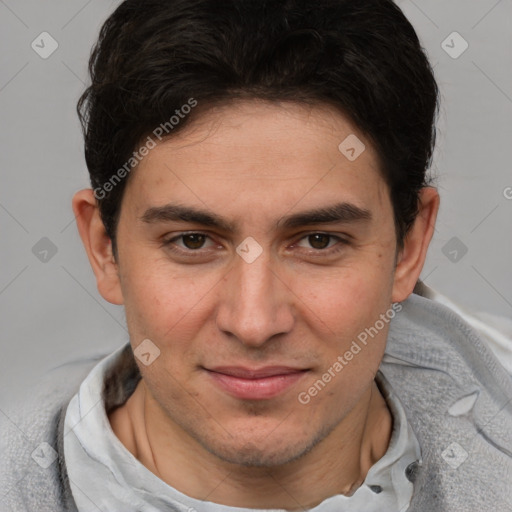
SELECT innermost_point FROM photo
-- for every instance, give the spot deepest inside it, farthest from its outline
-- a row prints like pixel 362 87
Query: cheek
pixel 165 305
pixel 345 300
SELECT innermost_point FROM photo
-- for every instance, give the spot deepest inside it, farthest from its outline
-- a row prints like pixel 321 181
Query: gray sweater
pixel 457 398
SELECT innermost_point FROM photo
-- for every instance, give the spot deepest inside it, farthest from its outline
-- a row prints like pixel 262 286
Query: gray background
pixel 50 309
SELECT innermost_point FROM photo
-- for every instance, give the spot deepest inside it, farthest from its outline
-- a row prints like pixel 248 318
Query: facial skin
pixel 299 304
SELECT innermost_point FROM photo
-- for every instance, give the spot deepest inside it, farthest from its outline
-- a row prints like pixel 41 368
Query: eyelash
pixel 169 244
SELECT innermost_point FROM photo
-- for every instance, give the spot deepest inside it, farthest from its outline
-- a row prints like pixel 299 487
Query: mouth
pixel 255 384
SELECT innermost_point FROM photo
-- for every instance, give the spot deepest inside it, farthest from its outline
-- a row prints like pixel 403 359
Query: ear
pixel 412 257
pixel 97 245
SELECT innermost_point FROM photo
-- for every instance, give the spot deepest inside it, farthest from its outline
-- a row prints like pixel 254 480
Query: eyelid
pixel 168 242
pixel 338 238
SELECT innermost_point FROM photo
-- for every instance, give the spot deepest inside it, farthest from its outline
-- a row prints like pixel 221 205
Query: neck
pixel 337 465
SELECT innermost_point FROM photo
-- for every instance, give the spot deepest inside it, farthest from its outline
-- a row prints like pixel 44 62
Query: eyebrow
pixel 337 213
pixel 340 212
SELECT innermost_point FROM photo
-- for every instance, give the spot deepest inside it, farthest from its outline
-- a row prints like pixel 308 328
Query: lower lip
pixel 256 389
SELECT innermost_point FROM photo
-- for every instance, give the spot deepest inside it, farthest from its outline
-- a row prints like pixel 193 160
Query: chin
pixel 271 451
pixel 252 455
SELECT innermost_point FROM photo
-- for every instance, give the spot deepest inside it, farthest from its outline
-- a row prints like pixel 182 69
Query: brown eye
pixel 194 240
pixel 322 244
pixel 319 240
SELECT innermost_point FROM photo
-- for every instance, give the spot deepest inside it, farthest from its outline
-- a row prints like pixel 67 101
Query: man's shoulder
pixel 428 335
pixel 29 446
pixel 458 399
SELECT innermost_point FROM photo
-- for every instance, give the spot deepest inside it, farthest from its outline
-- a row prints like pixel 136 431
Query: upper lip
pixel 255 373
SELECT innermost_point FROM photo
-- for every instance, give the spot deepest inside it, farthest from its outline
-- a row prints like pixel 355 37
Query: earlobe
pixel 97 245
pixel 412 257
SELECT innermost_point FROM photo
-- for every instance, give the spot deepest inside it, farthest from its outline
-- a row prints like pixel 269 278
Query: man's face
pixel 222 318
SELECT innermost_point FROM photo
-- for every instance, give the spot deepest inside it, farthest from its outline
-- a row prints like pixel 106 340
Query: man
pixel 260 208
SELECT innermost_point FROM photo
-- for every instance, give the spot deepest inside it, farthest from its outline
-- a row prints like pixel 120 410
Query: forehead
pixel 263 153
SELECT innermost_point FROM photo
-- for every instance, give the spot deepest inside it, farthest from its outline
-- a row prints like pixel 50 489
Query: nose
pixel 255 302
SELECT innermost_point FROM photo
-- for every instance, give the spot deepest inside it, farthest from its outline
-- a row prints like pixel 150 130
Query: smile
pixel 261 384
